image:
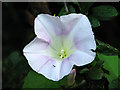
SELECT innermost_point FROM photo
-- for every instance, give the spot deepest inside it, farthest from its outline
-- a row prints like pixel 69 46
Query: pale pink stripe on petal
pixel 37 45
pixel 66 67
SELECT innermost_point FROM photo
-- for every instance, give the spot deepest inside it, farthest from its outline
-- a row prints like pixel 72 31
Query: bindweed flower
pixel 60 43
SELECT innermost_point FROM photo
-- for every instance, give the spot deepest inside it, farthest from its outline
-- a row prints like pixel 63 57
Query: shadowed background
pixel 18 30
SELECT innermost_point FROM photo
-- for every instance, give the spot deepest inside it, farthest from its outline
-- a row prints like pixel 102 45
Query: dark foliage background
pixel 18 30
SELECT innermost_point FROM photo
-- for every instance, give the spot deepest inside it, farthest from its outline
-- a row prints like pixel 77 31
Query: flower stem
pixel 66 8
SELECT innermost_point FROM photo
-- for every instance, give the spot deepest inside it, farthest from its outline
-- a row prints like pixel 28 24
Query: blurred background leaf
pixel 106 49
pixel 104 12
pixel 84 70
pixel 35 80
pixel 15 68
pixel 15 58
pixel 115 84
pixel 71 9
pixel 85 7
pixel 94 21
pixel 62 12
pixel 94 74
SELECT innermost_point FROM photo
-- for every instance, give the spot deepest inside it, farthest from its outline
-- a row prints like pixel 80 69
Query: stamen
pixel 62 54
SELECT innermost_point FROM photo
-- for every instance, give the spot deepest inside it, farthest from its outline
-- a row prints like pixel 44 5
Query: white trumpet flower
pixel 60 43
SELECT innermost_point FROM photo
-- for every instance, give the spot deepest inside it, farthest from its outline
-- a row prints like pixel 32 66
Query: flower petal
pixel 44 65
pixel 66 67
pixel 86 45
pixel 80 32
pixel 51 69
pixel 37 45
pixel 80 25
pixel 69 21
pixel 80 58
pixel 47 26
pixel 36 61
pixel 84 39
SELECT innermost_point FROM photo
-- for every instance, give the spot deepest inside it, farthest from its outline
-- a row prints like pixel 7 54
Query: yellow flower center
pixel 62 54
pixel 61 49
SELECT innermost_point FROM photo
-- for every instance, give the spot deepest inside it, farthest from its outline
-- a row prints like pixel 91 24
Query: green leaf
pixel 84 70
pixel 112 64
pixel 104 12
pixel 71 9
pixel 94 22
pixel 35 80
pixel 93 63
pixel 62 12
pixel 15 57
pixel 106 49
pixel 114 84
pixel 94 74
pixel 85 6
